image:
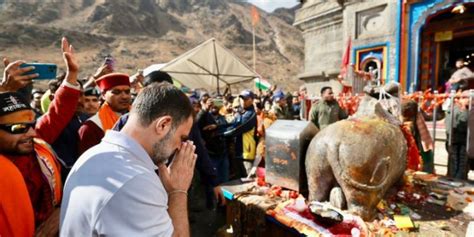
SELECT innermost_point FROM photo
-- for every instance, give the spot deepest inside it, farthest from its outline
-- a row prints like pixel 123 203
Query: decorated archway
pixel 420 14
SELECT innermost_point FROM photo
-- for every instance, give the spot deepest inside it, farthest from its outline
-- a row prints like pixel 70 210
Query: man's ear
pixel 163 125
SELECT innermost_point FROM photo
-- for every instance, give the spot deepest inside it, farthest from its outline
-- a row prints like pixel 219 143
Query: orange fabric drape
pixel 50 168
pixel 107 117
pixel 16 211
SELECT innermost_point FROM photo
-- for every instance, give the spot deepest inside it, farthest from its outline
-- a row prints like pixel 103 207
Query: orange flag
pixel 346 57
pixel 255 16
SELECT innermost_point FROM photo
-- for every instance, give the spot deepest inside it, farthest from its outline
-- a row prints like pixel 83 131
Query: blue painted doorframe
pixel 418 13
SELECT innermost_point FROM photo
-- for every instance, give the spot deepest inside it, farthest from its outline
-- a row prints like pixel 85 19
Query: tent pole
pixel 255 60
pixel 218 91
pixel 217 67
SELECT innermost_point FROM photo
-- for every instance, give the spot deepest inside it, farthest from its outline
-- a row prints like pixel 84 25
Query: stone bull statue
pixel 356 161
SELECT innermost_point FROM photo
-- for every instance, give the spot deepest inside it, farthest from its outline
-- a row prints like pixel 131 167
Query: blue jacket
pixel 243 129
pixel 66 146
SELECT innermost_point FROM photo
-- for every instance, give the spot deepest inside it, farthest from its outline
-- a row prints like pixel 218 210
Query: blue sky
pixel 270 5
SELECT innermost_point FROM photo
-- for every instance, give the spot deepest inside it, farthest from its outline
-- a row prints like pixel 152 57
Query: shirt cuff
pixel 72 86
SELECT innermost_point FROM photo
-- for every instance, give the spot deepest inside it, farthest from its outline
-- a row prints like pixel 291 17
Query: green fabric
pixel 459 125
pixel 325 113
pixel 262 85
pixel 426 156
pixel 45 101
pixel 428 161
pixel 281 113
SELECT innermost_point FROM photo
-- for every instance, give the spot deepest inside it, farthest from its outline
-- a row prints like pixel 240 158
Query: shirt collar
pixel 131 145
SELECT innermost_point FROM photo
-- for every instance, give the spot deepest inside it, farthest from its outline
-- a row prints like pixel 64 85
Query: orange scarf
pixel 16 213
pixel 50 168
pixel 107 117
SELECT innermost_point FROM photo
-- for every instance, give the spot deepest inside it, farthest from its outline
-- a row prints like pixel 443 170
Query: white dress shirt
pixel 113 190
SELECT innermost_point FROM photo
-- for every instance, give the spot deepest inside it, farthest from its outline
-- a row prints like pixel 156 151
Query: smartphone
pixel 109 61
pixel 46 71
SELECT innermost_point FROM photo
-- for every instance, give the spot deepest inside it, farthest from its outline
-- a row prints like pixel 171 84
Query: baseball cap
pixel 12 102
pixel 245 94
pixel 278 95
pixel 91 91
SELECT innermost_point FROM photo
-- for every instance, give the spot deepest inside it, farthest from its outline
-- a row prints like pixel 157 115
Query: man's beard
pixel 161 150
pixel 16 151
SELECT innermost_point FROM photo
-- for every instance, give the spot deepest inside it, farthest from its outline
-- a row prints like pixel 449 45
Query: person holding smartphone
pixel 30 179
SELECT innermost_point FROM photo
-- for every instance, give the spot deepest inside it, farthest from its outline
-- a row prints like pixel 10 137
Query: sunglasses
pixel 17 128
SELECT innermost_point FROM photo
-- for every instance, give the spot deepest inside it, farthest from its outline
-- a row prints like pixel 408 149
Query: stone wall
pixel 371 23
pixel 322 26
pixel 326 27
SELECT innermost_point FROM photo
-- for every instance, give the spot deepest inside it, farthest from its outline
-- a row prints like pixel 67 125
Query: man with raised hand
pixel 30 178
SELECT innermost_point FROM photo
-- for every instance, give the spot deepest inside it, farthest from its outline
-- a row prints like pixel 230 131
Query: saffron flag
pixel 346 57
pixel 255 16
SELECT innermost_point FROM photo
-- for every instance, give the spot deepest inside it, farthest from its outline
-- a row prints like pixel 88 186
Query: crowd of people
pixel 92 146
pixel 115 154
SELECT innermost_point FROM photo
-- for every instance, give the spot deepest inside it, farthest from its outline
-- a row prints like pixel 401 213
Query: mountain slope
pixel 141 32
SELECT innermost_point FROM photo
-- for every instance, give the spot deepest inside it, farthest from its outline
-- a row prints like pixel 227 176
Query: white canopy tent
pixel 209 66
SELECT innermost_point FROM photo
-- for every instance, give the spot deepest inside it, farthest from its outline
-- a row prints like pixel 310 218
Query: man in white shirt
pixel 113 189
pixel 462 72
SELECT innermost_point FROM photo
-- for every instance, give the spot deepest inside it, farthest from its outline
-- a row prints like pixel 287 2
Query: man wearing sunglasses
pixel 30 180
pixel 115 90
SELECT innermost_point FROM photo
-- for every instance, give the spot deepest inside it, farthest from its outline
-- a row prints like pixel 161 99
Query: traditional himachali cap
pixel 11 102
pixel 111 80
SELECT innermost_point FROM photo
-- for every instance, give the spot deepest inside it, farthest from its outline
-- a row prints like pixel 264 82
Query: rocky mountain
pixel 138 33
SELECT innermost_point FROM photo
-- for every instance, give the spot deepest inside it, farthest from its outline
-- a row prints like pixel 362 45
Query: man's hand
pixel 13 78
pixel 70 61
pixel 104 69
pixel 219 195
pixel 179 174
pixel 210 127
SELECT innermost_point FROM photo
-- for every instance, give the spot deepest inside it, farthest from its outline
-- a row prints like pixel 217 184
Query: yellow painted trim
pixel 385 58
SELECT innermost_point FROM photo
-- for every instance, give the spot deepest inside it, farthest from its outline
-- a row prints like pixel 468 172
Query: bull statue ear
pixel 392 88
pixel 385 115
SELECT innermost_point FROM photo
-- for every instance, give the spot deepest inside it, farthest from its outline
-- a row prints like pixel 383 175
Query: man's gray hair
pixel 161 99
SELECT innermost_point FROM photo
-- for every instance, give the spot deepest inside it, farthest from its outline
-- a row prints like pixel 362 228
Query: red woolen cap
pixel 106 82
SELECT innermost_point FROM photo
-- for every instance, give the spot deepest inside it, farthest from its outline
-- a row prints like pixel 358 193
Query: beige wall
pixel 327 25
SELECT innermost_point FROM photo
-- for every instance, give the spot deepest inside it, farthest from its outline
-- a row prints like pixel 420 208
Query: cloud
pixel 270 5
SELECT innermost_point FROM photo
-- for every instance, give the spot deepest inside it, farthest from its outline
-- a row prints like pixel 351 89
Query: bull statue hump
pixel 362 156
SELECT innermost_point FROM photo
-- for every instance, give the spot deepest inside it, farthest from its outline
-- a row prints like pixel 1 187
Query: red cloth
pixel 16 213
pixel 60 112
pixel 414 160
pixel 346 58
pixel 89 135
pixel 108 81
pixel 38 188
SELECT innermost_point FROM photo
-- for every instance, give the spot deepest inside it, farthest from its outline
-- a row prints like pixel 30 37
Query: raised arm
pixel 64 105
